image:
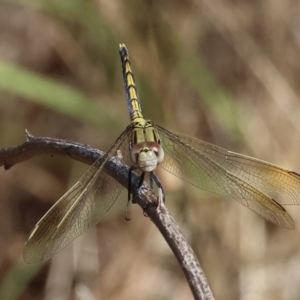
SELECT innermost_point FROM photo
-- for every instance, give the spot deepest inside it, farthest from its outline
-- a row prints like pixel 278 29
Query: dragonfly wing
pixel 76 211
pixel 281 184
pixel 278 183
pixel 195 162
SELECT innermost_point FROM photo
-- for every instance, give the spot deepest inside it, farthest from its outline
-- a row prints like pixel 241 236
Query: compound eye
pixel 159 152
pixel 135 151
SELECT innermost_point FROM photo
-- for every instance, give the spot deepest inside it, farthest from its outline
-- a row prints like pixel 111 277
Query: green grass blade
pixel 51 94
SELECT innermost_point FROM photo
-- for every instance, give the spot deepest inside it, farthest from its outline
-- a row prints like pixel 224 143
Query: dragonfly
pixel 261 186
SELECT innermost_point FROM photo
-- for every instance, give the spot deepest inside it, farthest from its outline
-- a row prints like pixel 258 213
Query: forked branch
pixel 144 197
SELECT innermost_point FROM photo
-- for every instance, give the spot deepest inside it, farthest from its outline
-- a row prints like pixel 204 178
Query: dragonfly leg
pixel 154 177
pixel 131 169
pixel 151 182
pixel 142 177
pixel 161 193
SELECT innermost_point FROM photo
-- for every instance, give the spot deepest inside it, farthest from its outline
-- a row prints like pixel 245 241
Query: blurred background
pixel 226 72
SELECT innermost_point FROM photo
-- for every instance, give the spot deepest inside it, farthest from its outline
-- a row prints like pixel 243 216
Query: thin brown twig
pixel 144 197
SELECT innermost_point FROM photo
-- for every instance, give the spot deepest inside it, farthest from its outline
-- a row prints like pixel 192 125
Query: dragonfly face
pixel 146 151
pixel 145 156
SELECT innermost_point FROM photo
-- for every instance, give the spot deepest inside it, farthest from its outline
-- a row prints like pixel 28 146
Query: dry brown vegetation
pixel 227 72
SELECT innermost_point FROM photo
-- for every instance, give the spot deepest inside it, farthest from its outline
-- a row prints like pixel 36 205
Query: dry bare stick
pixel 144 197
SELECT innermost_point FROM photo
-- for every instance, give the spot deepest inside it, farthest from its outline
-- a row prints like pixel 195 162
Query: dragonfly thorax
pixel 147 155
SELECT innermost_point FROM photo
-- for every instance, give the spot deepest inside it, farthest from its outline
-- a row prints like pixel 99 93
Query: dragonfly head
pixel 147 155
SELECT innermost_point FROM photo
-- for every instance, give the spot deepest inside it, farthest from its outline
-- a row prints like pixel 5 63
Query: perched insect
pixel 259 185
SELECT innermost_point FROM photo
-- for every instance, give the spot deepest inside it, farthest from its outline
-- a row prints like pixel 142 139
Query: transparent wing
pixel 76 211
pixel 252 182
